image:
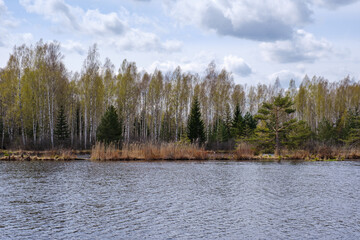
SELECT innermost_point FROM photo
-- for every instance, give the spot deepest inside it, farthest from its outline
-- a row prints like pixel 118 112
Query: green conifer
pixel 195 127
pixel 109 129
pixel 61 128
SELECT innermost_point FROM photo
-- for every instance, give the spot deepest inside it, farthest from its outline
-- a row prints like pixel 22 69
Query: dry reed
pixel 244 151
pixel 136 151
pixel 101 152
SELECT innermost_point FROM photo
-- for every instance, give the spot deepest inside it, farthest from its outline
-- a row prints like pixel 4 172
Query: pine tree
pixel 61 128
pixel 326 132
pixel 250 125
pixel 109 129
pixel 354 136
pixel 298 136
pixel 276 117
pixel 238 123
pixel 195 127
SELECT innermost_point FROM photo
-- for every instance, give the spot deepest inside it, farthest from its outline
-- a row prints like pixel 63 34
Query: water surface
pixel 179 200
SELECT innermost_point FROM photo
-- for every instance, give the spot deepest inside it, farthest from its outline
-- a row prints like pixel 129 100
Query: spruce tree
pixel 195 127
pixel 250 125
pixel 354 136
pixel 61 128
pixel 238 123
pixel 109 129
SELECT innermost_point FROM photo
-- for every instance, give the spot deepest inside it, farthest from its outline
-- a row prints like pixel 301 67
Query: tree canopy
pixel 277 119
pixel 195 127
pixel 109 129
pixel 155 106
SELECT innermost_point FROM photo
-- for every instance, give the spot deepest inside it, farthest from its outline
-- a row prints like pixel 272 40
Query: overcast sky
pixel 257 40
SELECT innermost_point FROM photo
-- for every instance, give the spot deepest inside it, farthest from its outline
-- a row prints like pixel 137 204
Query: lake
pixel 180 200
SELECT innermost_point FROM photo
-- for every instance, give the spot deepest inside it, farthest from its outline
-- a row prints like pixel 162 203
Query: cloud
pixel 90 21
pixel 261 20
pixel 237 65
pixel 285 76
pixel 304 47
pixel 145 41
pixel 8 21
pixel 195 64
pixel 110 27
pixel 72 46
pixel 2 7
pixel 199 62
pixel 333 4
pixel 6 18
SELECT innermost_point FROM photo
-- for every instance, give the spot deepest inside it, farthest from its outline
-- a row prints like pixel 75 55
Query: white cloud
pixel 186 66
pixel 7 21
pixel 304 47
pixel 72 46
pixel 110 27
pixel 333 4
pixel 2 7
pixel 135 39
pixel 195 64
pixel 90 21
pixel 237 65
pixel 200 62
pixel 285 76
pixel 263 20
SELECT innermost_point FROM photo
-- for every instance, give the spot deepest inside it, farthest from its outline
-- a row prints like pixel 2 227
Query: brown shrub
pixel 136 151
pixel 101 152
pixel 244 151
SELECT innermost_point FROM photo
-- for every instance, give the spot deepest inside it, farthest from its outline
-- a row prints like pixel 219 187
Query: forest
pixel 45 106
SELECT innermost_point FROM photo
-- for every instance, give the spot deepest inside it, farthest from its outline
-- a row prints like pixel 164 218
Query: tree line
pixel 43 105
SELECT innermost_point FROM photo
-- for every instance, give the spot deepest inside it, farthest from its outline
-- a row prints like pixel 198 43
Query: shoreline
pixel 85 155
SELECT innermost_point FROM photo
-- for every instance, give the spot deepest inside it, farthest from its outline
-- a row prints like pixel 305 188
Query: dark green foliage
pixel 250 125
pixel 276 121
pixel 298 136
pixel 353 138
pixel 221 131
pixel 326 132
pixel 263 138
pixel 238 124
pixel 195 126
pixel 61 129
pixel 109 130
pixel 243 127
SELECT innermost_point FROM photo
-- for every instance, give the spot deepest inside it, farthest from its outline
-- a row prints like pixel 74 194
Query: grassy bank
pixel 52 155
pixel 318 153
pixel 174 151
pixel 168 151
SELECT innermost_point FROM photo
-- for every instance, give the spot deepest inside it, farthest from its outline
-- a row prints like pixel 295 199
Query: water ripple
pixel 179 200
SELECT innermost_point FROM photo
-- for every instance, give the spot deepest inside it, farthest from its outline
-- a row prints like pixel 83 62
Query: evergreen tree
pixel 109 129
pixel 195 127
pixel 238 124
pixel 250 125
pixel 326 132
pixel 277 121
pixel 61 128
pixel 298 136
pixel 354 136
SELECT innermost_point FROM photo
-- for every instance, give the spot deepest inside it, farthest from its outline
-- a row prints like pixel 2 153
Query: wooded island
pixel 44 106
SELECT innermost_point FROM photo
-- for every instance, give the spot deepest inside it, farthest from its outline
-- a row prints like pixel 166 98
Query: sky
pixel 256 40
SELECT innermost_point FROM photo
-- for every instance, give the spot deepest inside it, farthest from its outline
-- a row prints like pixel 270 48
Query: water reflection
pixel 179 200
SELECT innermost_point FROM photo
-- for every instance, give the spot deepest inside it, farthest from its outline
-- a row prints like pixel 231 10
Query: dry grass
pixel 296 154
pixel 57 155
pixel 244 151
pixel 101 152
pixel 323 152
pixel 135 151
